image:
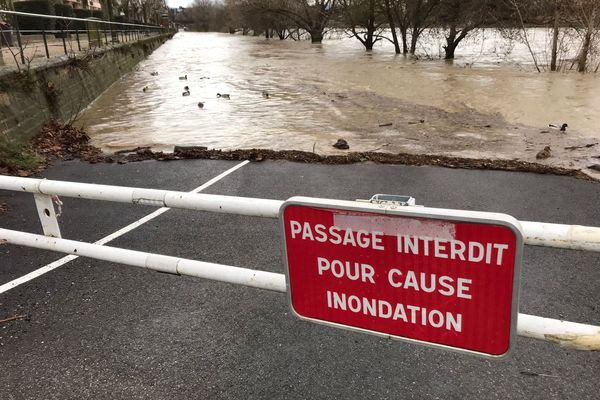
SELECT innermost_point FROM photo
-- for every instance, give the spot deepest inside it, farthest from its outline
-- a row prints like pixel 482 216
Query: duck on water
pixel 562 128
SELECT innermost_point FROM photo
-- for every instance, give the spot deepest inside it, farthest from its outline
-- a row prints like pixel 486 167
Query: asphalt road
pixel 105 331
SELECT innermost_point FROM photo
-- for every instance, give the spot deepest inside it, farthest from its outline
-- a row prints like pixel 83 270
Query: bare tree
pixel 310 15
pixel 152 10
pixel 235 16
pixel 362 18
pixel 588 19
pixel 421 16
pixel 461 17
pixel 517 6
pixel 126 7
pixel 555 32
pixel 26 57
pixel 387 6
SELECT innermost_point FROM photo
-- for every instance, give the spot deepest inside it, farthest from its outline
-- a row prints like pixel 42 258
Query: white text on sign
pixel 490 253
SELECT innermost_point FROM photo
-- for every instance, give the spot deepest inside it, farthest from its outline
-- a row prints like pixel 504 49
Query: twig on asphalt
pixel 13 318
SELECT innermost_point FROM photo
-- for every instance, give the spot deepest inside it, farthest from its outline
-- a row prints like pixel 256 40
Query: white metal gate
pixel 571 334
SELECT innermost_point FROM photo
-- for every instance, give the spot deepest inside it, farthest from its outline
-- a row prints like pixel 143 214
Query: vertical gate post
pixel 47 214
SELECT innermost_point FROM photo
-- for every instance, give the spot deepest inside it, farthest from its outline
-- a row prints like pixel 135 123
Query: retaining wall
pixel 64 86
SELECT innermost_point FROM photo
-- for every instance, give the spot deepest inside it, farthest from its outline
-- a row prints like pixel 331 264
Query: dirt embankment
pixel 64 142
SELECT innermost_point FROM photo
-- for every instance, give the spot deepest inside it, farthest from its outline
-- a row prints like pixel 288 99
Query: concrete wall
pixel 64 86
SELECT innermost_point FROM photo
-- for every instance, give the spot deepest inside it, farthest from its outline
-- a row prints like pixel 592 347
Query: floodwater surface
pixel 487 101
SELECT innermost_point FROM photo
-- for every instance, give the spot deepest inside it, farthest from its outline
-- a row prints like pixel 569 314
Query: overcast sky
pixel 178 3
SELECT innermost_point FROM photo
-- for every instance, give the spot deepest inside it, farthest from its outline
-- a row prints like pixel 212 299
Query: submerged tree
pixel 587 17
pixel 461 17
pixel 387 7
pixel 555 33
pixel 421 16
pixel 577 20
pixel 207 15
pixel 312 16
pixel 362 18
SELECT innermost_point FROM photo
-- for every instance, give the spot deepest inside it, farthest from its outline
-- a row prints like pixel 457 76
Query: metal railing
pixel 72 35
pixel 569 334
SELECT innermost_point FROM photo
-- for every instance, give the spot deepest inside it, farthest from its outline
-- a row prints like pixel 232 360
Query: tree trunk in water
pixel 395 40
pixel 450 46
pixel 392 26
pixel 454 38
pixel 370 26
pixel 316 36
pixel 414 38
pixel 369 43
pixel 554 38
pixel 585 49
pixel 449 50
pixel 584 52
pixel 404 36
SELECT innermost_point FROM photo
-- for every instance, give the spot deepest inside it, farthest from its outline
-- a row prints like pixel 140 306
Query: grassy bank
pixel 55 141
pixel 17 158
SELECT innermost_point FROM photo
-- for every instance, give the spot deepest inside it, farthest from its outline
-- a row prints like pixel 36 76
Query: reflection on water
pixel 317 93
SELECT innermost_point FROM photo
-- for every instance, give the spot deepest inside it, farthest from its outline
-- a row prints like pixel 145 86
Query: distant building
pixel 180 15
pixel 84 4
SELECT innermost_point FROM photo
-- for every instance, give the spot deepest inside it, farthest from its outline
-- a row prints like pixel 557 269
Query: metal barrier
pixel 570 334
pixel 96 33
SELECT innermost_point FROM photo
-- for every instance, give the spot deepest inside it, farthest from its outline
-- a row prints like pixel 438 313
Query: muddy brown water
pixel 486 104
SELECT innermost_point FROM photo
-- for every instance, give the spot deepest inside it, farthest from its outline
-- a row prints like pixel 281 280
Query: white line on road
pixel 47 268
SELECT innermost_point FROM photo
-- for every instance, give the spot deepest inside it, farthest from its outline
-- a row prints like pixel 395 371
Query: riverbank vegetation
pixel 17 158
pixel 56 141
pixel 573 25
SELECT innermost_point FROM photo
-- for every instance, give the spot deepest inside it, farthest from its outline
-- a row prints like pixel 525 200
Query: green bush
pixel 80 25
pixel 35 23
pixel 64 10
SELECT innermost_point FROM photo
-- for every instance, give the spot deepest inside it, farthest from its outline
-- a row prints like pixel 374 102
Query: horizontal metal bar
pixel 53 31
pixel 569 334
pixel 576 237
pixel 153 197
pixel 536 233
pixel 158 262
pixel 99 21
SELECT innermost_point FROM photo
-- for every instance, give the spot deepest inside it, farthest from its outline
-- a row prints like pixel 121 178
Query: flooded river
pixel 319 93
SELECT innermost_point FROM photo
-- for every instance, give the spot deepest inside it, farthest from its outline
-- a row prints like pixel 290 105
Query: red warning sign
pixel 442 277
